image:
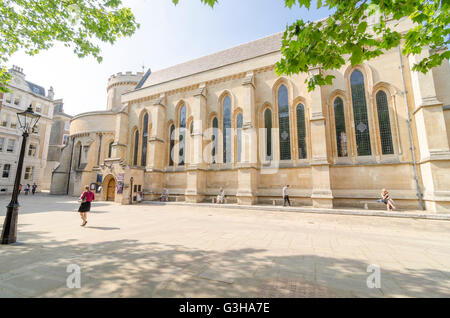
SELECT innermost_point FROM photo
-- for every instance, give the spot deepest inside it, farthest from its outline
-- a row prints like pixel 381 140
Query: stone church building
pixel 227 120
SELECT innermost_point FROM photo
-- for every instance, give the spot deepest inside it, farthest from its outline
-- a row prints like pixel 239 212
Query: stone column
pixel 196 175
pixel 321 186
pixel 247 173
pixel 154 172
pixel 432 138
pixel 120 145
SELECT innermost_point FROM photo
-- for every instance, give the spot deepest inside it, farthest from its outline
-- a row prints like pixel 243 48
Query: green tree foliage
pixel 35 25
pixel 346 35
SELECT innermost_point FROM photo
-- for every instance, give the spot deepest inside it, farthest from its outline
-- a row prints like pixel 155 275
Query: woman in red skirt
pixel 86 198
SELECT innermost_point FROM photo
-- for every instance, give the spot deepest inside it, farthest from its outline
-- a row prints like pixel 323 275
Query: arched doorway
pixel 111 190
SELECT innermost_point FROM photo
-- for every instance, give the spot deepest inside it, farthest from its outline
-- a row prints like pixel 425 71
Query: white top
pixel 285 191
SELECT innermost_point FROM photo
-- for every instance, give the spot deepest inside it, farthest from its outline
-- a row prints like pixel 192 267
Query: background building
pixel 23 93
pixel 59 138
pixel 227 120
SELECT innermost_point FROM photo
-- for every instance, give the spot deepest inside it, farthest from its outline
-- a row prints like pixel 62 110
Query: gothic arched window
pixel 301 131
pixel 268 131
pixel 339 122
pixel 239 123
pixel 182 137
pixel 226 129
pixel 215 125
pixel 110 149
pixel 360 114
pixel 136 148
pixel 283 119
pixel 144 141
pixel 384 123
pixel 171 144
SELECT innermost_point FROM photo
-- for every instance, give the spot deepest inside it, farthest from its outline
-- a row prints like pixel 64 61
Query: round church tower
pixel 119 84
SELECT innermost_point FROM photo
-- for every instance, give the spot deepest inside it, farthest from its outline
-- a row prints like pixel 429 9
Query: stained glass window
pixel 136 148
pixel 283 118
pixel 227 129
pixel 301 131
pixel 171 144
pixel 182 138
pixel 268 129
pixel 215 125
pixel 384 123
pixel 360 114
pixel 239 122
pixel 339 122
pixel 144 141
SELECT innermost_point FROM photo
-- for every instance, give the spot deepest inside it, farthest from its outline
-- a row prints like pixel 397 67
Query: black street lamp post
pixel 27 121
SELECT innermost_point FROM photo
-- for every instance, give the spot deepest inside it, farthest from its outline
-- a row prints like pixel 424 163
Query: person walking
pixel 27 189
pixel 386 199
pixel 286 195
pixel 86 198
pixel 33 188
pixel 20 187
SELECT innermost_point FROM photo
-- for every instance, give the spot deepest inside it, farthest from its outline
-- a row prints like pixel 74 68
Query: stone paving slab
pixel 195 251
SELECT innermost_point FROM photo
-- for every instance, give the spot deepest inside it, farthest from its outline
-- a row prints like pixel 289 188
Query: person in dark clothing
pixel 33 188
pixel 86 198
pixel 286 195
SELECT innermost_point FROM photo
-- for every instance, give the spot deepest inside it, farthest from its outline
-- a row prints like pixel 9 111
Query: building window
pixel 38 108
pixel 17 100
pixel 301 131
pixel 226 107
pixel 191 128
pixel 283 119
pixel 215 140
pixel 8 98
pixel 136 148
pixel 360 114
pixel 268 131
pixel 144 141
pixel 172 144
pixel 109 148
pixel 28 173
pixel 45 109
pixel 65 139
pixel 11 145
pixel 339 122
pixel 13 123
pixel 6 169
pixel 36 129
pixel 4 122
pixel 32 149
pixel 67 125
pixel 80 152
pixel 239 123
pixel 384 123
pixel 2 142
pixel 182 137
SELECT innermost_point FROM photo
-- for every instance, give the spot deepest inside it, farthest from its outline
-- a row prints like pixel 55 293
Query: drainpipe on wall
pixel 411 141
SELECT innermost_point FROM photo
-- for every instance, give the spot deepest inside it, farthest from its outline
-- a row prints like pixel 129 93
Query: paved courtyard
pixel 183 251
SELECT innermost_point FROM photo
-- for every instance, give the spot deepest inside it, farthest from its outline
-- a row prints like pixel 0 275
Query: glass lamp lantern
pixel 28 120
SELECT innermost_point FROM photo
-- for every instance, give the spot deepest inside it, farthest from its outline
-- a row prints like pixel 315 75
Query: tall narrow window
pixel 110 149
pixel 283 119
pixel 6 169
pixel 339 122
pixel 215 125
pixel 227 129
pixel 268 132
pixel 182 138
pixel 384 123
pixel 80 152
pixel 239 122
pixel 172 144
pixel 136 148
pixel 301 131
pixel 360 114
pixel 144 141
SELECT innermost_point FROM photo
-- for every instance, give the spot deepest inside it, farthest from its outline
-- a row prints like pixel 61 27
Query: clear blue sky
pixel 168 35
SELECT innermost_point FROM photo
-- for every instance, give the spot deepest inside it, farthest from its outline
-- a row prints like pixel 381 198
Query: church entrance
pixel 111 190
